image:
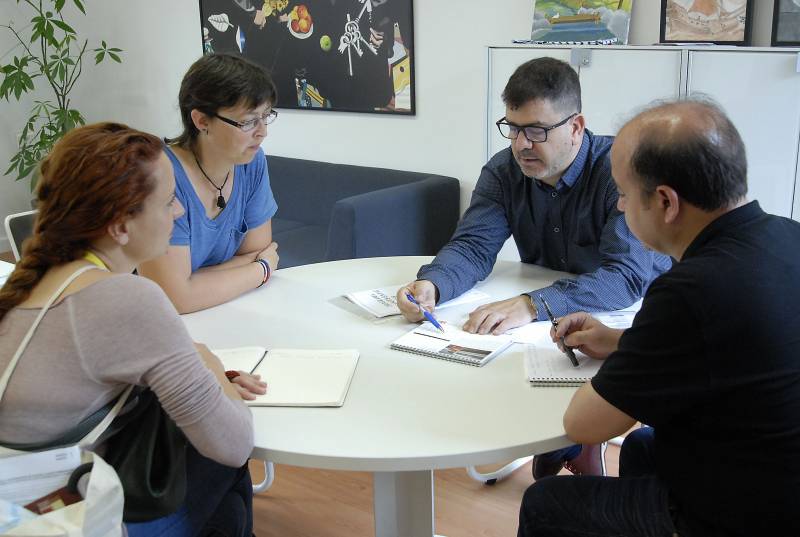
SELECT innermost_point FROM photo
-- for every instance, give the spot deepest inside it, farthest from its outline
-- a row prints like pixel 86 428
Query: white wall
pixel 161 39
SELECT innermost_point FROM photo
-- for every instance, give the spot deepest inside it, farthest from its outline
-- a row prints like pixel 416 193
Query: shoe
pixel 545 466
pixel 590 461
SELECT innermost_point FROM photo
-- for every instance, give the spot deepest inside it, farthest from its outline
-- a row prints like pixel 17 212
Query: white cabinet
pixel 759 89
pixel 761 94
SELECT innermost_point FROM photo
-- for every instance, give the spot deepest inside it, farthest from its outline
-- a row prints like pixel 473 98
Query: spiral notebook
pixel 454 344
pixel 548 366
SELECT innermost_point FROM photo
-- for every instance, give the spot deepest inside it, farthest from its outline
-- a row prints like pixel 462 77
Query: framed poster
pixel 724 22
pixel 340 55
pixel 603 22
pixel 786 23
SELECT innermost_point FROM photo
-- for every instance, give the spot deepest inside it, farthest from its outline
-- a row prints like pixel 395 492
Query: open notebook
pixel 454 344
pixel 296 377
pixel 548 366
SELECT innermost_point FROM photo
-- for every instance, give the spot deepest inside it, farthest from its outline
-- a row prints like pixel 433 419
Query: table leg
pixel 403 504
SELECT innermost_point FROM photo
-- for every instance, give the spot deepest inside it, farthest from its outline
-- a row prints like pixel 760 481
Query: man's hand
pixel 585 333
pixel 425 294
pixel 249 386
pixel 499 317
pixel 270 255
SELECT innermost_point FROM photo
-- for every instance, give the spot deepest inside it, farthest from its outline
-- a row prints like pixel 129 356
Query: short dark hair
pixel 704 161
pixel 544 78
pixel 218 81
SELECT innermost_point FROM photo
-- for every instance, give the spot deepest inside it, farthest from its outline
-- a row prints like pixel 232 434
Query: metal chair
pixel 18 228
pixel 490 478
pixel 269 476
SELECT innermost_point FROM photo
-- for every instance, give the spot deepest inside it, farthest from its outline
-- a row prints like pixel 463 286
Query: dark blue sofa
pixel 339 211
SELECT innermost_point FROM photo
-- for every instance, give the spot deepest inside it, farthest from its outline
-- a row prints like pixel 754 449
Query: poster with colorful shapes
pixel 341 55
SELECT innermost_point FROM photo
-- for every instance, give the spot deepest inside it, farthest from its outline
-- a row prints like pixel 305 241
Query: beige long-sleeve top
pixel 118 331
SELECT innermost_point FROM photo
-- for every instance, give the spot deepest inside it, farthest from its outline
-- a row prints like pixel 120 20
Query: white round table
pixel 405 415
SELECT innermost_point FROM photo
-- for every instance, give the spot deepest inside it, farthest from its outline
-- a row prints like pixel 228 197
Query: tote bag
pixel 99 514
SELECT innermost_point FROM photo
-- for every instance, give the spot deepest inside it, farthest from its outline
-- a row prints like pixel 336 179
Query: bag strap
pixel 95 433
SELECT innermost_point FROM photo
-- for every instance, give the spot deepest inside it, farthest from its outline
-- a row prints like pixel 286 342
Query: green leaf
pixel 64 26
pixel 79 5
pixel 98 58
pixel 16 80
pixel 60 5
pixel 15 160
pixel 115 57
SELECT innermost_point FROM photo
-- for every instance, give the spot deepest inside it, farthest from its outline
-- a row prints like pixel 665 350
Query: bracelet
pixel 267 271
pixel 231 374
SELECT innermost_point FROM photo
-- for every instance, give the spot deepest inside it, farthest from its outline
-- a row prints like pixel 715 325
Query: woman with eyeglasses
pixel 222 246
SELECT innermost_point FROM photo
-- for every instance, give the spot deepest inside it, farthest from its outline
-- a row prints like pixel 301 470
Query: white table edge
pixel 400 464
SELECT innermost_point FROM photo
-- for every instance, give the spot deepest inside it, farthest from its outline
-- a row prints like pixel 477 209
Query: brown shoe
pixel 590 461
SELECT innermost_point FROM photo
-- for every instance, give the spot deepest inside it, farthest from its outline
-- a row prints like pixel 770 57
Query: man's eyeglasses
pixel 247 126
pixel 534 133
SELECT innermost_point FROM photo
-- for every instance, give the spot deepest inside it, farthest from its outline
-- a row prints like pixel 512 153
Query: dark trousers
pixel 219 503
pixel 563 454
pixel 634 504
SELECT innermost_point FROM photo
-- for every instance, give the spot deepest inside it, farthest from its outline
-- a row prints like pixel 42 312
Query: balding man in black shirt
pixel 712 361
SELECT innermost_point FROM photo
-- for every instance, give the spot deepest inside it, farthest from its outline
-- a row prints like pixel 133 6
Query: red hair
pixel 94 176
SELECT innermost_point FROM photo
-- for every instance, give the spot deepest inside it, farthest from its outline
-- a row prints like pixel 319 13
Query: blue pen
pixel 428 315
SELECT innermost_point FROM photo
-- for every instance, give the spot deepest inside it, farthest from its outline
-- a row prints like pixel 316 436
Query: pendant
pixel 221 202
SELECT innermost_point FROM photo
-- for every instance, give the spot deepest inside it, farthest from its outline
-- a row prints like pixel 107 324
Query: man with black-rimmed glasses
pixel 552 191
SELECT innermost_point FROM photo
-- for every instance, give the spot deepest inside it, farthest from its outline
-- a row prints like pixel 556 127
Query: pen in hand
pixel 428 315
pixel 567 350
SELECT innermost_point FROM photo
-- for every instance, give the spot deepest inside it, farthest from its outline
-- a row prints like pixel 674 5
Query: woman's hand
pixel 270 255
pixel 249 386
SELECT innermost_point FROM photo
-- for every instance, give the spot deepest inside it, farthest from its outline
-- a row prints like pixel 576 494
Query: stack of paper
pixel 382 302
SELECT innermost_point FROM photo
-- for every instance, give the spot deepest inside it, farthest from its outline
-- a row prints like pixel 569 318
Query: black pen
pixel 567 350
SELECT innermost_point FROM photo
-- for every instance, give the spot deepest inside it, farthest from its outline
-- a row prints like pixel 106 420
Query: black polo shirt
pixel 712 362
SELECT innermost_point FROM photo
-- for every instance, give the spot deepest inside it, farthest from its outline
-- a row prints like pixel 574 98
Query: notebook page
pixel 240 358
pixel 428 337
pixel 382 302
pixel 549 364
pixel 306 377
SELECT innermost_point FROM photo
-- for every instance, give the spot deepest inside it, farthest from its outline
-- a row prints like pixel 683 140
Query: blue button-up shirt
pixel 574 227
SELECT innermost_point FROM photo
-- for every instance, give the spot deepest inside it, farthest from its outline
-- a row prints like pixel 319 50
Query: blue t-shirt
pixel 214 241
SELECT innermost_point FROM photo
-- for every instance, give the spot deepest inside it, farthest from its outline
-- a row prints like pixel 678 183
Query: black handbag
pixel 148 451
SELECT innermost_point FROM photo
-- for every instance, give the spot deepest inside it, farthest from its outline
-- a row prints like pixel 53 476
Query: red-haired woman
pixel 106 203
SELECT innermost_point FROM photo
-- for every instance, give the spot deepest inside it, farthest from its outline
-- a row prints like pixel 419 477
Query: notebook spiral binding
pixel 422 352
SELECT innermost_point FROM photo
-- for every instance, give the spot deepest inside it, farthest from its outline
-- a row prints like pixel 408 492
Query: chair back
pixel 18 228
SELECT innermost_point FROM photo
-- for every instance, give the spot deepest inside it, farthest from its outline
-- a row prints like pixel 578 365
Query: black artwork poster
pixel 347 55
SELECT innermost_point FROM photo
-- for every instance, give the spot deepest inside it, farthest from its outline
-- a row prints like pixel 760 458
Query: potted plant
pixel 52 56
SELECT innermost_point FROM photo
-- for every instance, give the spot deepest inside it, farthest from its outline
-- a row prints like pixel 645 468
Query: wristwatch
pixel 533 305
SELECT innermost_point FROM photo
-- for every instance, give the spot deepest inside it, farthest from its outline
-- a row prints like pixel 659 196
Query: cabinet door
pixel 616 83
pixel 760 91
pixel 502 63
